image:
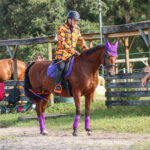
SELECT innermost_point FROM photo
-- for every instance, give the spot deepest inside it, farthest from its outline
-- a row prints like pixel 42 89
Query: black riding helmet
pixel 73 15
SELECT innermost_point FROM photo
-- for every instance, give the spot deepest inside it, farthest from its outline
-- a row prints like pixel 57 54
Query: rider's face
pixel 39 58
pixel 73 22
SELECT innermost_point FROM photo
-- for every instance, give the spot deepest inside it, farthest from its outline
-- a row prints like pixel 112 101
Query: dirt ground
pixel 21 138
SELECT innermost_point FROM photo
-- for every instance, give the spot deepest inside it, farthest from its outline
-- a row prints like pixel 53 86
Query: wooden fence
pixel 127 91
pixel 9 86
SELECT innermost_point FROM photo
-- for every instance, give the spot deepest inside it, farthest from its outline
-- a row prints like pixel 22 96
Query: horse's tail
pixel 27 84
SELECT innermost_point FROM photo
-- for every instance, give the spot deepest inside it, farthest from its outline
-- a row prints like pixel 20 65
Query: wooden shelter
pixel 126 33
pixel 131 63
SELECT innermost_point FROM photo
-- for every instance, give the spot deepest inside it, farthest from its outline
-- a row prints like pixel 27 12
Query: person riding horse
pixel 68 35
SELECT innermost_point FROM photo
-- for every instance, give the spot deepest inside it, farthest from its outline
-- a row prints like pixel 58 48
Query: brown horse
pixel 6 69
pixel 83 80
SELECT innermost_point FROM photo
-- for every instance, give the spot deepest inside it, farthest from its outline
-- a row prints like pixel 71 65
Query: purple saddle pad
pixel 51 70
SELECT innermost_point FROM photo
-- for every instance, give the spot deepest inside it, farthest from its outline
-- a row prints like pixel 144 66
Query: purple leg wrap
pixel 41 122
pixel 76 122
pixel 43 116
pixel 87 123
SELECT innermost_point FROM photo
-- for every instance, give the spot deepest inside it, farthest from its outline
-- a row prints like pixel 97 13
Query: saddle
pixel 51 70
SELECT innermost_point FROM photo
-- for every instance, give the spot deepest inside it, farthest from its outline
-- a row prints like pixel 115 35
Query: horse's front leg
pixel 76 95
pixel 88 100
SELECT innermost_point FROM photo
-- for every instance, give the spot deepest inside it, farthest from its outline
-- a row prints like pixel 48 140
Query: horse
pixel 6 69
pixel 83 80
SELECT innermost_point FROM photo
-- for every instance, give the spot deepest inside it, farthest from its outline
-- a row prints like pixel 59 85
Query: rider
pixel 68 35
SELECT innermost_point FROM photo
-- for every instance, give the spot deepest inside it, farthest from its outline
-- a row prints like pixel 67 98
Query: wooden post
pixel 15 63
pixel 108 98
pixel 50 57
pixel 149 43
pixel 90 44
pixel 126 42
pixel 131 66
pixel 131 42
pixel 8 49
pixel 149 37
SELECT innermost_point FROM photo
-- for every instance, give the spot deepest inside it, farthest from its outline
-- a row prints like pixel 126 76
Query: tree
pixel 34 18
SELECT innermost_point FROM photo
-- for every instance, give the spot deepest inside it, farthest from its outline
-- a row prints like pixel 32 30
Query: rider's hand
pixel 143 82
pixel 76 54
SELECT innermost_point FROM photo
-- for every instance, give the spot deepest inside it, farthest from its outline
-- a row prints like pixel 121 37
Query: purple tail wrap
pixel 43 116
pixel 76 122
pixel 41 122
pixel 87 123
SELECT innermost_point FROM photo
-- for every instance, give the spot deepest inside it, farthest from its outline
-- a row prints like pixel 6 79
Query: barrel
pixel 58 99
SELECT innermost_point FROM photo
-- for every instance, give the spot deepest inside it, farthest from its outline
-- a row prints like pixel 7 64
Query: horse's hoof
pixel 89 132
pixel 44 132
pixel 75 133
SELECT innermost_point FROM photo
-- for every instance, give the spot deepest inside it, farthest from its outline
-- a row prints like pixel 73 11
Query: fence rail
pixel 126 85
pixel 126 93
pixel 126 76
pixel 9 86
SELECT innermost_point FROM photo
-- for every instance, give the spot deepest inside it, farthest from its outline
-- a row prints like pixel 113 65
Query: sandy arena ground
pixel 21 138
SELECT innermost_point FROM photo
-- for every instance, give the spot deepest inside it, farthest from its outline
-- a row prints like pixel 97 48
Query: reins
pixel 109 65
pixel 87 61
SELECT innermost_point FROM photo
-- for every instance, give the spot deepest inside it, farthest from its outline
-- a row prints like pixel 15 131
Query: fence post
pixel 127 53
pixel 149 44
pixel 108 98
pixel 50 58
pixel 15 63
pixel 90 44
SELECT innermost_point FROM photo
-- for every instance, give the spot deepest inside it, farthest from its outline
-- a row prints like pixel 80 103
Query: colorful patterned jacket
pixel 67 41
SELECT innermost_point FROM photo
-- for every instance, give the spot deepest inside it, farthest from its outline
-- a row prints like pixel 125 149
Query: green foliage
pixel 35 18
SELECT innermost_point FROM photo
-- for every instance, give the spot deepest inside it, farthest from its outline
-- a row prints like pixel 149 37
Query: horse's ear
pixel 107 44
pixel 116 43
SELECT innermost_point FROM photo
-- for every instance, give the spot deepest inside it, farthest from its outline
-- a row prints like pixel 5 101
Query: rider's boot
pixel 58 79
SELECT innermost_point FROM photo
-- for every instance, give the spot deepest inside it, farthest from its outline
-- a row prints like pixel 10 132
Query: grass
pixel 116 119
pixel 139 146
pixel 8 137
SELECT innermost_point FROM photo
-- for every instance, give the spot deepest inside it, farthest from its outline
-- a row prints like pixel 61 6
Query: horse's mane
pixel 93 49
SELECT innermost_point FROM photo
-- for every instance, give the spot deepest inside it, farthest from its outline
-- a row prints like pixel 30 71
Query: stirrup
pixel 58 89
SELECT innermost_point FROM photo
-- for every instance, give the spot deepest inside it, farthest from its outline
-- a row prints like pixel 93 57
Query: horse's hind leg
pixel 44 104
pixel 41 115
pixel 88 100
pixel 76 96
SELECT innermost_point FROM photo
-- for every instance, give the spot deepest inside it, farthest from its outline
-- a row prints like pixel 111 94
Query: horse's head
pixel 110 57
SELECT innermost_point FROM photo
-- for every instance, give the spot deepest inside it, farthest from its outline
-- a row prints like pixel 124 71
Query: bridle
pixel 105 66
pixel 105 54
